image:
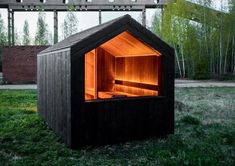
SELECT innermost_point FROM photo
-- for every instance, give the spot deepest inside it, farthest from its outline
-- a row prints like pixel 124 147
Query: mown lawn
pixel 204 134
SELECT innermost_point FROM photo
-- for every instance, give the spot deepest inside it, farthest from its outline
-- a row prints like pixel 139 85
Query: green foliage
pixel 3 34
pixel 17 37
pixel 42 34
pixel 3 39
pixel 190 120
pixel 0 59
pixel 26 140
pixel 204 40
pixel 70 24
pixel 156 26
pixel 26 36
pixel 201 70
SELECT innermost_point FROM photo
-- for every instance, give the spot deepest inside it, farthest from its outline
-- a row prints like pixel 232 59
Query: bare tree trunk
pixel 217 57
pixel 205 29
pixel 220 59
pixel 213 57
pixel 183 61
pixel 221 42
pixel 231 67
pixel 233 49
pixel 177 60
pixel 226 54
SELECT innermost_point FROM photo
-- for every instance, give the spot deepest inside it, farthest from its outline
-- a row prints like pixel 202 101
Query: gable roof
pixel 80 39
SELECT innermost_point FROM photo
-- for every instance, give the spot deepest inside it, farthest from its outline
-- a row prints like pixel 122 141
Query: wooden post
pixel 9 27
pixel 95 68
pixel 159 75
pixel 100 17
pixel 12 29
pixel 55 26
pixel 162 10
pixel 144 17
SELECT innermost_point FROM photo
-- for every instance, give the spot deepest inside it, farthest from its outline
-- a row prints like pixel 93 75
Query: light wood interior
pixel 122 67
pixel 90 75
pixel 125 44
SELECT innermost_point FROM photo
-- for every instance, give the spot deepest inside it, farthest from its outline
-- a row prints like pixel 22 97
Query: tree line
pixel 204 41
pixel 43 35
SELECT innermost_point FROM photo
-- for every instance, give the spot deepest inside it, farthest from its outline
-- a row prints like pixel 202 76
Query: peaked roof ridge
pixel 150 35
pixel 77 37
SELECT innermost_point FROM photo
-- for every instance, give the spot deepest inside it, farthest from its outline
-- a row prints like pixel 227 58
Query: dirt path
pixel 31 86
pixel 204 83
pixel 178 83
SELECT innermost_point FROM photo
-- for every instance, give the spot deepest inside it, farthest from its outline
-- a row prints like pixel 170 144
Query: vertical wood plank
pixel 159 75
pixel 54 92
pixel 95 68
pixel 68 102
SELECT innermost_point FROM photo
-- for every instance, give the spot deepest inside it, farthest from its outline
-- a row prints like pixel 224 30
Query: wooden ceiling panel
pixel 125 44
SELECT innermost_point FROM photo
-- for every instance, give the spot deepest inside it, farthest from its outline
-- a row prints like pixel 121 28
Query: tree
pixel 17 38
pixel 3 34
pixel 26 37
pixel 70 24
pixel 156 24
pixel 203 38
pixel 42 34
pixel 174 30
pixel 3 39
pixel 232 15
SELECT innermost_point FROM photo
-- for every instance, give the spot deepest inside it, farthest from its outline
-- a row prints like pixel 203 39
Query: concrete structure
pixel 80 5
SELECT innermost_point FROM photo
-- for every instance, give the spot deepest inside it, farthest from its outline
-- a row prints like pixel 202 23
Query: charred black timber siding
pixel 54 92
pixel 61 91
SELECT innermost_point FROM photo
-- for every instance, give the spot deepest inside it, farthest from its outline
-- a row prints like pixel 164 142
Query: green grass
pixel 204 134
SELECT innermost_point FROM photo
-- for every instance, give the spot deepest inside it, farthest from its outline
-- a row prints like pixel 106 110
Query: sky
pixel 85 19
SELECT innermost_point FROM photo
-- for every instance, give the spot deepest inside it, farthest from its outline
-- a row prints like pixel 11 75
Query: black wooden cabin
pixel 108 84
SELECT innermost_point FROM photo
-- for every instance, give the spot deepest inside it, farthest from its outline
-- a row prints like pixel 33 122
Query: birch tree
pixel 70 24
pixel 26 36
pixel 203 38
pixel 42 34
pixel 3 34
pixel 3 39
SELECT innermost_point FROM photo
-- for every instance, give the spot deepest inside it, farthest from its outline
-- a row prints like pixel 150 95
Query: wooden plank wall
pixel 99 72
pixel 138 70
pixel 90 85
pixel 108 122
pixel 105 70
pixel 54 92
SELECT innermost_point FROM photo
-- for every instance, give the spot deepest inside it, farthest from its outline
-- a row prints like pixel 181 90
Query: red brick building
pixel 20 64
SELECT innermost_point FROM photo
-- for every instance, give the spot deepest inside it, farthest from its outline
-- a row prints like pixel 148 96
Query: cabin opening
pixel 122 67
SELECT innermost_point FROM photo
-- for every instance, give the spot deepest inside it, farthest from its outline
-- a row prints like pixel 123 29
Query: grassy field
pixel 204 134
